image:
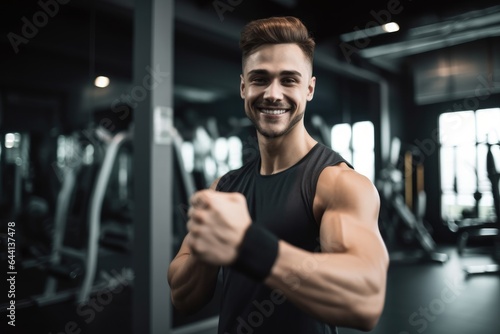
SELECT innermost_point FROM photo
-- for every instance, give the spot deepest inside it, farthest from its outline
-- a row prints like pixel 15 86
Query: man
pixel 295 231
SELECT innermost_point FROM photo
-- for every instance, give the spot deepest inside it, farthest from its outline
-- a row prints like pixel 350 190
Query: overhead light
pixel 198 95
pixel 390 27
pixel 101 81
pixel 371 31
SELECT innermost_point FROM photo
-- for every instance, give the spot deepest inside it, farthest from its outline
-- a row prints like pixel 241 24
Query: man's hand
pixel 217 223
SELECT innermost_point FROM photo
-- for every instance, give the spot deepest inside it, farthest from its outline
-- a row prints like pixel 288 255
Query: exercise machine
pixel 323 131
pixel 400 209
pixel 112 145
pixel 84 167
pixel 486 229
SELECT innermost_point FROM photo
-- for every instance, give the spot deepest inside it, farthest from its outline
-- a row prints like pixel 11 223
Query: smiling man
pixel 295 231
pixel 276 77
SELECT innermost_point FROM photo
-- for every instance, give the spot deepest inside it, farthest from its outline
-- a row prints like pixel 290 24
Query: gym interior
pixel 113 112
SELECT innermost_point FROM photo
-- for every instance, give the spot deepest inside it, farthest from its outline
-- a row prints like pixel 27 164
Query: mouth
pixel 273 111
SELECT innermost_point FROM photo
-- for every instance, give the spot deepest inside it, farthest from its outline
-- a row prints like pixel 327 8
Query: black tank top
pixel 282 203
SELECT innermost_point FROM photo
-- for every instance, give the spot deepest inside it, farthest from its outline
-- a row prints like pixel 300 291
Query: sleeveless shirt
pixel 283 204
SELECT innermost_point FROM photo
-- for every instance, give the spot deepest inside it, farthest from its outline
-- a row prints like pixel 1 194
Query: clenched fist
pixel 217 223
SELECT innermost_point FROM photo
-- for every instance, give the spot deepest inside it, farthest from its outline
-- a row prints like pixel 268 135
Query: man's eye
pixel 289 80
pixel 258 80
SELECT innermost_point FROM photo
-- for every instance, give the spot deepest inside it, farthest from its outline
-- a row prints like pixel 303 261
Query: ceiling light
pixel 391 27
pixel 359 34
pixel 101 81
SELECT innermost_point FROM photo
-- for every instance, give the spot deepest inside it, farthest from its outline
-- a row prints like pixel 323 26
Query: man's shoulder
pixel 331 175
pixel 324 156
pixel 342 181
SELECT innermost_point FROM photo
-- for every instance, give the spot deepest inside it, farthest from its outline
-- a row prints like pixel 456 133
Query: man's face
pixel 276 84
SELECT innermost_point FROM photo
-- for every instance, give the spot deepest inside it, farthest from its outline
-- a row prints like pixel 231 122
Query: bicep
pixel 349 223
pixel 344 232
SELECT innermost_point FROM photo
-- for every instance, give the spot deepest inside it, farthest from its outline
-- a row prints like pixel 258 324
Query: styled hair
pixel 276 30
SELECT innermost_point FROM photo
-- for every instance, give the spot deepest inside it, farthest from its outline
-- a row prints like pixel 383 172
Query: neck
pixel 279 154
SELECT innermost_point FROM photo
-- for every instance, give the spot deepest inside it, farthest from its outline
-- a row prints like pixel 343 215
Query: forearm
pixel 192 283
pixel 340 288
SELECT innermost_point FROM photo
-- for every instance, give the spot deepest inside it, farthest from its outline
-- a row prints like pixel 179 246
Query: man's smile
pixel 273 111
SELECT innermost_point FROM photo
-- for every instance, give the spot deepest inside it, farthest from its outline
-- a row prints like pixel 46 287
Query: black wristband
pixel 257 254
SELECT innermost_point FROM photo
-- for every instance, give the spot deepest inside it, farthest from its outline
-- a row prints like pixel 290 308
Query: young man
pixel 296 230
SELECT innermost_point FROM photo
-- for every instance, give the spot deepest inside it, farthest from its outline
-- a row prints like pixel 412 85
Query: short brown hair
pixel 276 30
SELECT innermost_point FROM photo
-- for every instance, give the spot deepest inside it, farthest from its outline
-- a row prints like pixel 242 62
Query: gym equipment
pixel 17 165
pixel 113 144
pixel 323 130
pixel 398 208
pixel 79 235
pixel 485 229
pixel 212 155
pixel 15 181
pixel 22 200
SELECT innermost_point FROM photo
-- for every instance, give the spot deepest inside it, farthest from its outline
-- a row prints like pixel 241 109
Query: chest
pixel 279 204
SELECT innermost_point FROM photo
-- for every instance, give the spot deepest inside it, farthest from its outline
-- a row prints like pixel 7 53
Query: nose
pixel 273 92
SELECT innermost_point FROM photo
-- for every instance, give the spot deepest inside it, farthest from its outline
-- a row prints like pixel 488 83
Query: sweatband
pixel 257 254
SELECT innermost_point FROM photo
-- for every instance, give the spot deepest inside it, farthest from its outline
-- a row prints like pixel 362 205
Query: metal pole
pixel 152 100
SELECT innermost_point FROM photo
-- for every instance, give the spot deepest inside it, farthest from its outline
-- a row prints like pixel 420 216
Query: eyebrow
pixel 282 73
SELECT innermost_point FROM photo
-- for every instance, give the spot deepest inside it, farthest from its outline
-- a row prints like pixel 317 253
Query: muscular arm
pixel 192 282
pixel 345 284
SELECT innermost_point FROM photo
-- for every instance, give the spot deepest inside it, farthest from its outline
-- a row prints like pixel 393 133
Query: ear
pixel 310 88
pixel 242 87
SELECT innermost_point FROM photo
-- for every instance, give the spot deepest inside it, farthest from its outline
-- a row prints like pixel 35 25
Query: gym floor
pixel 436 298
pixel 424 297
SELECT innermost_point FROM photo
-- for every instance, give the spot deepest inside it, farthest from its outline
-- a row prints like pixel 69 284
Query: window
pixel 463 146
pixel 356 144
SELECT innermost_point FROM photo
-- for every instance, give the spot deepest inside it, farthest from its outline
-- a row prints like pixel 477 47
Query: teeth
pixel 273 112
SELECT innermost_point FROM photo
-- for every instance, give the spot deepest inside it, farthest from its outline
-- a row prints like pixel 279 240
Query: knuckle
pixel 197 216
pixel 193 228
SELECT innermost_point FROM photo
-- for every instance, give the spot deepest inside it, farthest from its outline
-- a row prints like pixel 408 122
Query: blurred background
pixel 113 112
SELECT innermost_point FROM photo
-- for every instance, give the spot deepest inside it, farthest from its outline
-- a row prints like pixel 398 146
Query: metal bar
pixel 95 214
pixel 153 172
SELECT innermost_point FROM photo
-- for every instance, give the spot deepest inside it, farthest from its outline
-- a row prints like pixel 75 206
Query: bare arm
pixel 192 282
pixel 345 284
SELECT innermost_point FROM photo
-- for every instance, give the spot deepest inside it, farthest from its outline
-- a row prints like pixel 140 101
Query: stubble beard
pixel 273 134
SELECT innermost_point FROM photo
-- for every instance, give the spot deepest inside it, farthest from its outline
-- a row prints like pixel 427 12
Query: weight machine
pixel 486 228
pixel 400 209
pixel 79 233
